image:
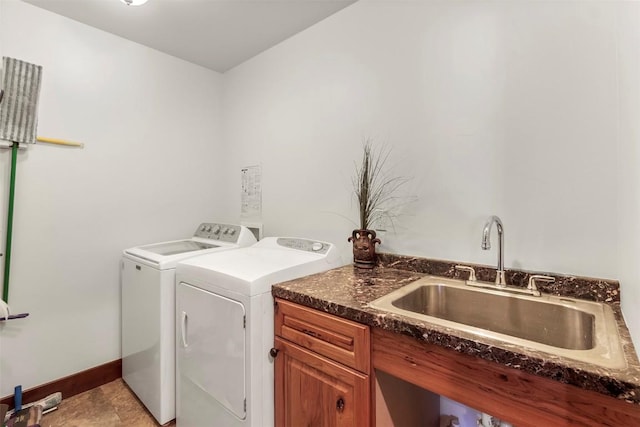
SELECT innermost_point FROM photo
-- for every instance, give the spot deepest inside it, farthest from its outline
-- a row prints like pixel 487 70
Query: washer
pixel 224 329
pixel 148 310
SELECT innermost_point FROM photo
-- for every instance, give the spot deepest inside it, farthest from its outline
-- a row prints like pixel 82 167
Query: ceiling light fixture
pixel 134 2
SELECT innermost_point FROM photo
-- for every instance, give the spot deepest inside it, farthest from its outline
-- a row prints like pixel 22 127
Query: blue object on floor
pixel 17 397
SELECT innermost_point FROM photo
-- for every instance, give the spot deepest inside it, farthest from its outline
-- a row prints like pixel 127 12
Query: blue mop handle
pixel 17 397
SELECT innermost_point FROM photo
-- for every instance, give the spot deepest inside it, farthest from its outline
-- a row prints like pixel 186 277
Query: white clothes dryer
pixel 224 329
pixel 148 310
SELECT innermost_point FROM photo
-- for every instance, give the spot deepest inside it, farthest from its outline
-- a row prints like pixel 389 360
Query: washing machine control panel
pixel 304 245
pixel 224 232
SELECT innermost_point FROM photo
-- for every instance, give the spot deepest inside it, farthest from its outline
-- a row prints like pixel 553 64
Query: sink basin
pixel 551 324
pixel 577 329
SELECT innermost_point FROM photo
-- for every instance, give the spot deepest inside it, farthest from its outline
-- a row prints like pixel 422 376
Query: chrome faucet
pixel 486 245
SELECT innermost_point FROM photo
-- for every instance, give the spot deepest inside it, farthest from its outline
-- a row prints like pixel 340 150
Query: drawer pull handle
pixel 340 405
pixel 274 352
pixel 312 333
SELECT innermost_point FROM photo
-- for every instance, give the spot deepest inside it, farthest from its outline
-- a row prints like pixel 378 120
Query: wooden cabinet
pixel 321 369
pixel 325 367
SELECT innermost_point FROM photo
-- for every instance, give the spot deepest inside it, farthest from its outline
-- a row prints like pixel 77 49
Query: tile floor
pixel 110 405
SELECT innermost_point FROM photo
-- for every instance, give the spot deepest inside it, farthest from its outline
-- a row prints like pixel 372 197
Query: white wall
pixel 521 109
pixel 628 167
pixel 150 124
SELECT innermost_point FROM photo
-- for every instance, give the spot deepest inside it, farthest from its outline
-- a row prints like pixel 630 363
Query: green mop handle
pixel 7 258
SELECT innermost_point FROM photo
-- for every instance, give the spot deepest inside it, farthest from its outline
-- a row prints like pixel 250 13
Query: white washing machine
pixel 224 329
pixel 148 310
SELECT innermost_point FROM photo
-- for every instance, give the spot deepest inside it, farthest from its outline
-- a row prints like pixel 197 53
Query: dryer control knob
pixel 216 229
pixel 316 246
pixel 226 231
pixel 208 228
pixel 202 228
pixel 232 231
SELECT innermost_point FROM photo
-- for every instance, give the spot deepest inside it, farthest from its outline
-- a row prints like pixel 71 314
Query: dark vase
pixel 364 248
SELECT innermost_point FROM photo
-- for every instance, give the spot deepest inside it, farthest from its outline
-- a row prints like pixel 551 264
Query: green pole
pixel 7 255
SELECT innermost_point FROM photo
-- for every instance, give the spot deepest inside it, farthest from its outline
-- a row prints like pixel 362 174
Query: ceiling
pixel 217 34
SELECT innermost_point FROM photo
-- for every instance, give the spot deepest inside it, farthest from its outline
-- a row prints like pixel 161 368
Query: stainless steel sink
pixel 577 329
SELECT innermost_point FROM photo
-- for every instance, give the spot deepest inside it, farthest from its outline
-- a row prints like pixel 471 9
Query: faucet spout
pixel 486 245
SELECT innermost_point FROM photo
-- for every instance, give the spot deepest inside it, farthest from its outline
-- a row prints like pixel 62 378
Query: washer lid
pixel 209 237
pixel 166 255
pixel 177 247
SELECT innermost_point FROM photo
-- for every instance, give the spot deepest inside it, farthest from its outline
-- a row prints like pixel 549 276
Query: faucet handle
pixel 472 272
pixel 540 278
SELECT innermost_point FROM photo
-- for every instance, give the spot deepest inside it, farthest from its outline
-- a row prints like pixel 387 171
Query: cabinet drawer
pixel 338 339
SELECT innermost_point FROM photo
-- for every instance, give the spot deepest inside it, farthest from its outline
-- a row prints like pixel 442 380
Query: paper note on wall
pixel 251 197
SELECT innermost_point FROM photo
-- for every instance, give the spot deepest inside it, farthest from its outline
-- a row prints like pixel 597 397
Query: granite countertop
pixel 347 291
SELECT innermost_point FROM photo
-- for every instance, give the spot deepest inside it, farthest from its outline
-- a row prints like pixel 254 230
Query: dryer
pixel 148 310
pixel 224 329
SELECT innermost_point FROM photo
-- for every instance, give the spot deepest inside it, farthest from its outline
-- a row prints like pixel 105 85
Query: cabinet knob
pixel 340 405
pixel 274 352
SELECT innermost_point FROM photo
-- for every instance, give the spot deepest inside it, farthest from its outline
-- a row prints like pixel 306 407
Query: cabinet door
pixel 314 391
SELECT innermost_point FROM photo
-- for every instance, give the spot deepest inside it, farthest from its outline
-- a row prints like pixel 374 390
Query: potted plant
pixel 375 192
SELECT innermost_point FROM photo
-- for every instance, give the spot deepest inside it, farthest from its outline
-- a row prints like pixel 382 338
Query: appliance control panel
pixel 214 231
pixel 304 245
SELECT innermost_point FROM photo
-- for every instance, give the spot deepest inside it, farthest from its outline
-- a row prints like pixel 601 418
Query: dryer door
pixel 210 341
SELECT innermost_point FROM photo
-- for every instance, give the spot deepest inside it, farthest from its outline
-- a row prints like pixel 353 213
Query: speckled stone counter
pixel 347 292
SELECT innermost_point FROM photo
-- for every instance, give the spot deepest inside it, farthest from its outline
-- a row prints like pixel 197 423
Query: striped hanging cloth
pixel 19 106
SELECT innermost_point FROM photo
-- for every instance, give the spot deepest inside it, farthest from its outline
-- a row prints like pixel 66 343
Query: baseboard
pixel 73 384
